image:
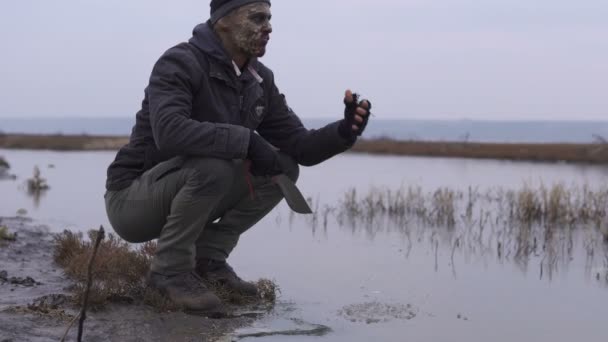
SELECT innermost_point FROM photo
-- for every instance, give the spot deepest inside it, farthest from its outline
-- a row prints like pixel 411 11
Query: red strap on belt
pixel 248 179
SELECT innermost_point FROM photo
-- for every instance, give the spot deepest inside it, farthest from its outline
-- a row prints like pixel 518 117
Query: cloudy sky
pixel 433 59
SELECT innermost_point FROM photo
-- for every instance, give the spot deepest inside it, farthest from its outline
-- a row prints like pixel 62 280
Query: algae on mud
pixel 375 312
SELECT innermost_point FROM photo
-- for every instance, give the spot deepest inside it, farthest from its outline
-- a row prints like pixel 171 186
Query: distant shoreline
pixel 513 131
pixel 548 152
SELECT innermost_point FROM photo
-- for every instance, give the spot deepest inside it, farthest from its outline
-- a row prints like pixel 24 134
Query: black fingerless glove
pixel 264 159
pixel 345 128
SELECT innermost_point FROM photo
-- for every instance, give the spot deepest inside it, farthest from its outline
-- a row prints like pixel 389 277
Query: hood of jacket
pixel 206 40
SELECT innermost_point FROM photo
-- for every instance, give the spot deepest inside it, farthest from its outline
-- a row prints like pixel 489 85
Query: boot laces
pixel 192 284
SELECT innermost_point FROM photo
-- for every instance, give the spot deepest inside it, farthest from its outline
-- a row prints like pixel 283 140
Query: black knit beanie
pixel 220 8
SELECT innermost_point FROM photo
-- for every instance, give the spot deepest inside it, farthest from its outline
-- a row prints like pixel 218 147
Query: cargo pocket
pixel 164 169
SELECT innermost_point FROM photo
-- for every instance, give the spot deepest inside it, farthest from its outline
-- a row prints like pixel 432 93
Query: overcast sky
pixel 422 59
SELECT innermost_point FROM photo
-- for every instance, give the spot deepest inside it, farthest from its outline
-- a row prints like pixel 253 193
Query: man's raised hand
pixel 356 116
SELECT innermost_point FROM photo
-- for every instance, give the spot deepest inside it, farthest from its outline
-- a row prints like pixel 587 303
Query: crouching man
pixel 213 126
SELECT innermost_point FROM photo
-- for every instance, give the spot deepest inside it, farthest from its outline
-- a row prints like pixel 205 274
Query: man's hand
pixel 264 159
pixel 356 116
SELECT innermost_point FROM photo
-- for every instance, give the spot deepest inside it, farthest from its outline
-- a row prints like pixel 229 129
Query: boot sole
pixel 213 314
pixel 173 306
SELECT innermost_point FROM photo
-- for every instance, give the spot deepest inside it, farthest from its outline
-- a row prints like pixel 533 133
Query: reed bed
pixel 547 224
pixel 547 206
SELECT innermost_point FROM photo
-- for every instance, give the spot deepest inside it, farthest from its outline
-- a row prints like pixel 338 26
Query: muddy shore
pixel 553 152
pixel 35 301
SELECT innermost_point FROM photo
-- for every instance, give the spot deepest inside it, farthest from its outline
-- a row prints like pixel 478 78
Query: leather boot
pixel 186 290
pixel 219 273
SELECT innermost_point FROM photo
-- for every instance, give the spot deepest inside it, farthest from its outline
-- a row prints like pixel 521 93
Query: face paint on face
pixel 251 29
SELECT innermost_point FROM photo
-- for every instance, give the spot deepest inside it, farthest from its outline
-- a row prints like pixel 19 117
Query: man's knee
pixel 212 175
pixel 291 168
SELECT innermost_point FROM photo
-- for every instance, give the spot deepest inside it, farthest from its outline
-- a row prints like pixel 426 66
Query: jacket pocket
pixel 164 169
pixel 256 113
pixel 254 107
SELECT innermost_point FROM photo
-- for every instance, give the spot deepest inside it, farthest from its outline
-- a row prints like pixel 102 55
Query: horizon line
pixel 325 118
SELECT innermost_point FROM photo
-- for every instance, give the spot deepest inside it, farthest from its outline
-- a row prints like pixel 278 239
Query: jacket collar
pixel 206 40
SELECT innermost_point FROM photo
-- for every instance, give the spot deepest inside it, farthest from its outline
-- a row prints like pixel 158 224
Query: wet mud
pixel 283 327
pixel 36 303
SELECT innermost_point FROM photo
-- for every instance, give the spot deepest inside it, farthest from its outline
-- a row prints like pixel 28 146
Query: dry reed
pixel 513 225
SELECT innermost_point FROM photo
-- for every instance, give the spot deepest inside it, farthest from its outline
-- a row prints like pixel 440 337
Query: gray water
pixel 344 277
pixel 446 130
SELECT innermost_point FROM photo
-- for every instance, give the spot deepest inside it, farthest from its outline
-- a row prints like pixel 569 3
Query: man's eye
pixel 260 19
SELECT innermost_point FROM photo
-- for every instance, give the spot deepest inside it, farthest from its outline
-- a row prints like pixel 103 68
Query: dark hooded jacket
pixel 196 105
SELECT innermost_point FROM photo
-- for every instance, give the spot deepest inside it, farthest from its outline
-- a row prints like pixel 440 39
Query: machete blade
pixel 293 196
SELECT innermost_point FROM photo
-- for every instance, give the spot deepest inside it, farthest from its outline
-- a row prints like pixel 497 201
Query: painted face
pixel 251 28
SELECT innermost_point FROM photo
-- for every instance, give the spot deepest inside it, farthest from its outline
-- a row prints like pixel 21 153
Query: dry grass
pixel 61 142
pixel 6 235
pixel 119 273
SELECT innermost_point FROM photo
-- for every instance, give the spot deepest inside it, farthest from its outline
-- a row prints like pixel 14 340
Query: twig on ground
pixel 85 301
pixel 69 327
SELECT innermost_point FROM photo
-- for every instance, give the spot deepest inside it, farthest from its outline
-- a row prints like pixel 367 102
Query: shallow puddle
pixel 379 279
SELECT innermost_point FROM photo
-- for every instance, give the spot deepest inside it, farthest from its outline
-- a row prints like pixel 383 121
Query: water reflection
pixel 5 175
pixel 37 195
pixel 541 231
pixel 36 187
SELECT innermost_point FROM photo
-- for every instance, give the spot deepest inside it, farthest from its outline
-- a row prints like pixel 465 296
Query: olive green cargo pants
pixel 195 207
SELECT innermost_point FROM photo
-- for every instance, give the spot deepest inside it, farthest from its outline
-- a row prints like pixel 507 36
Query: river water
pixel 379 280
